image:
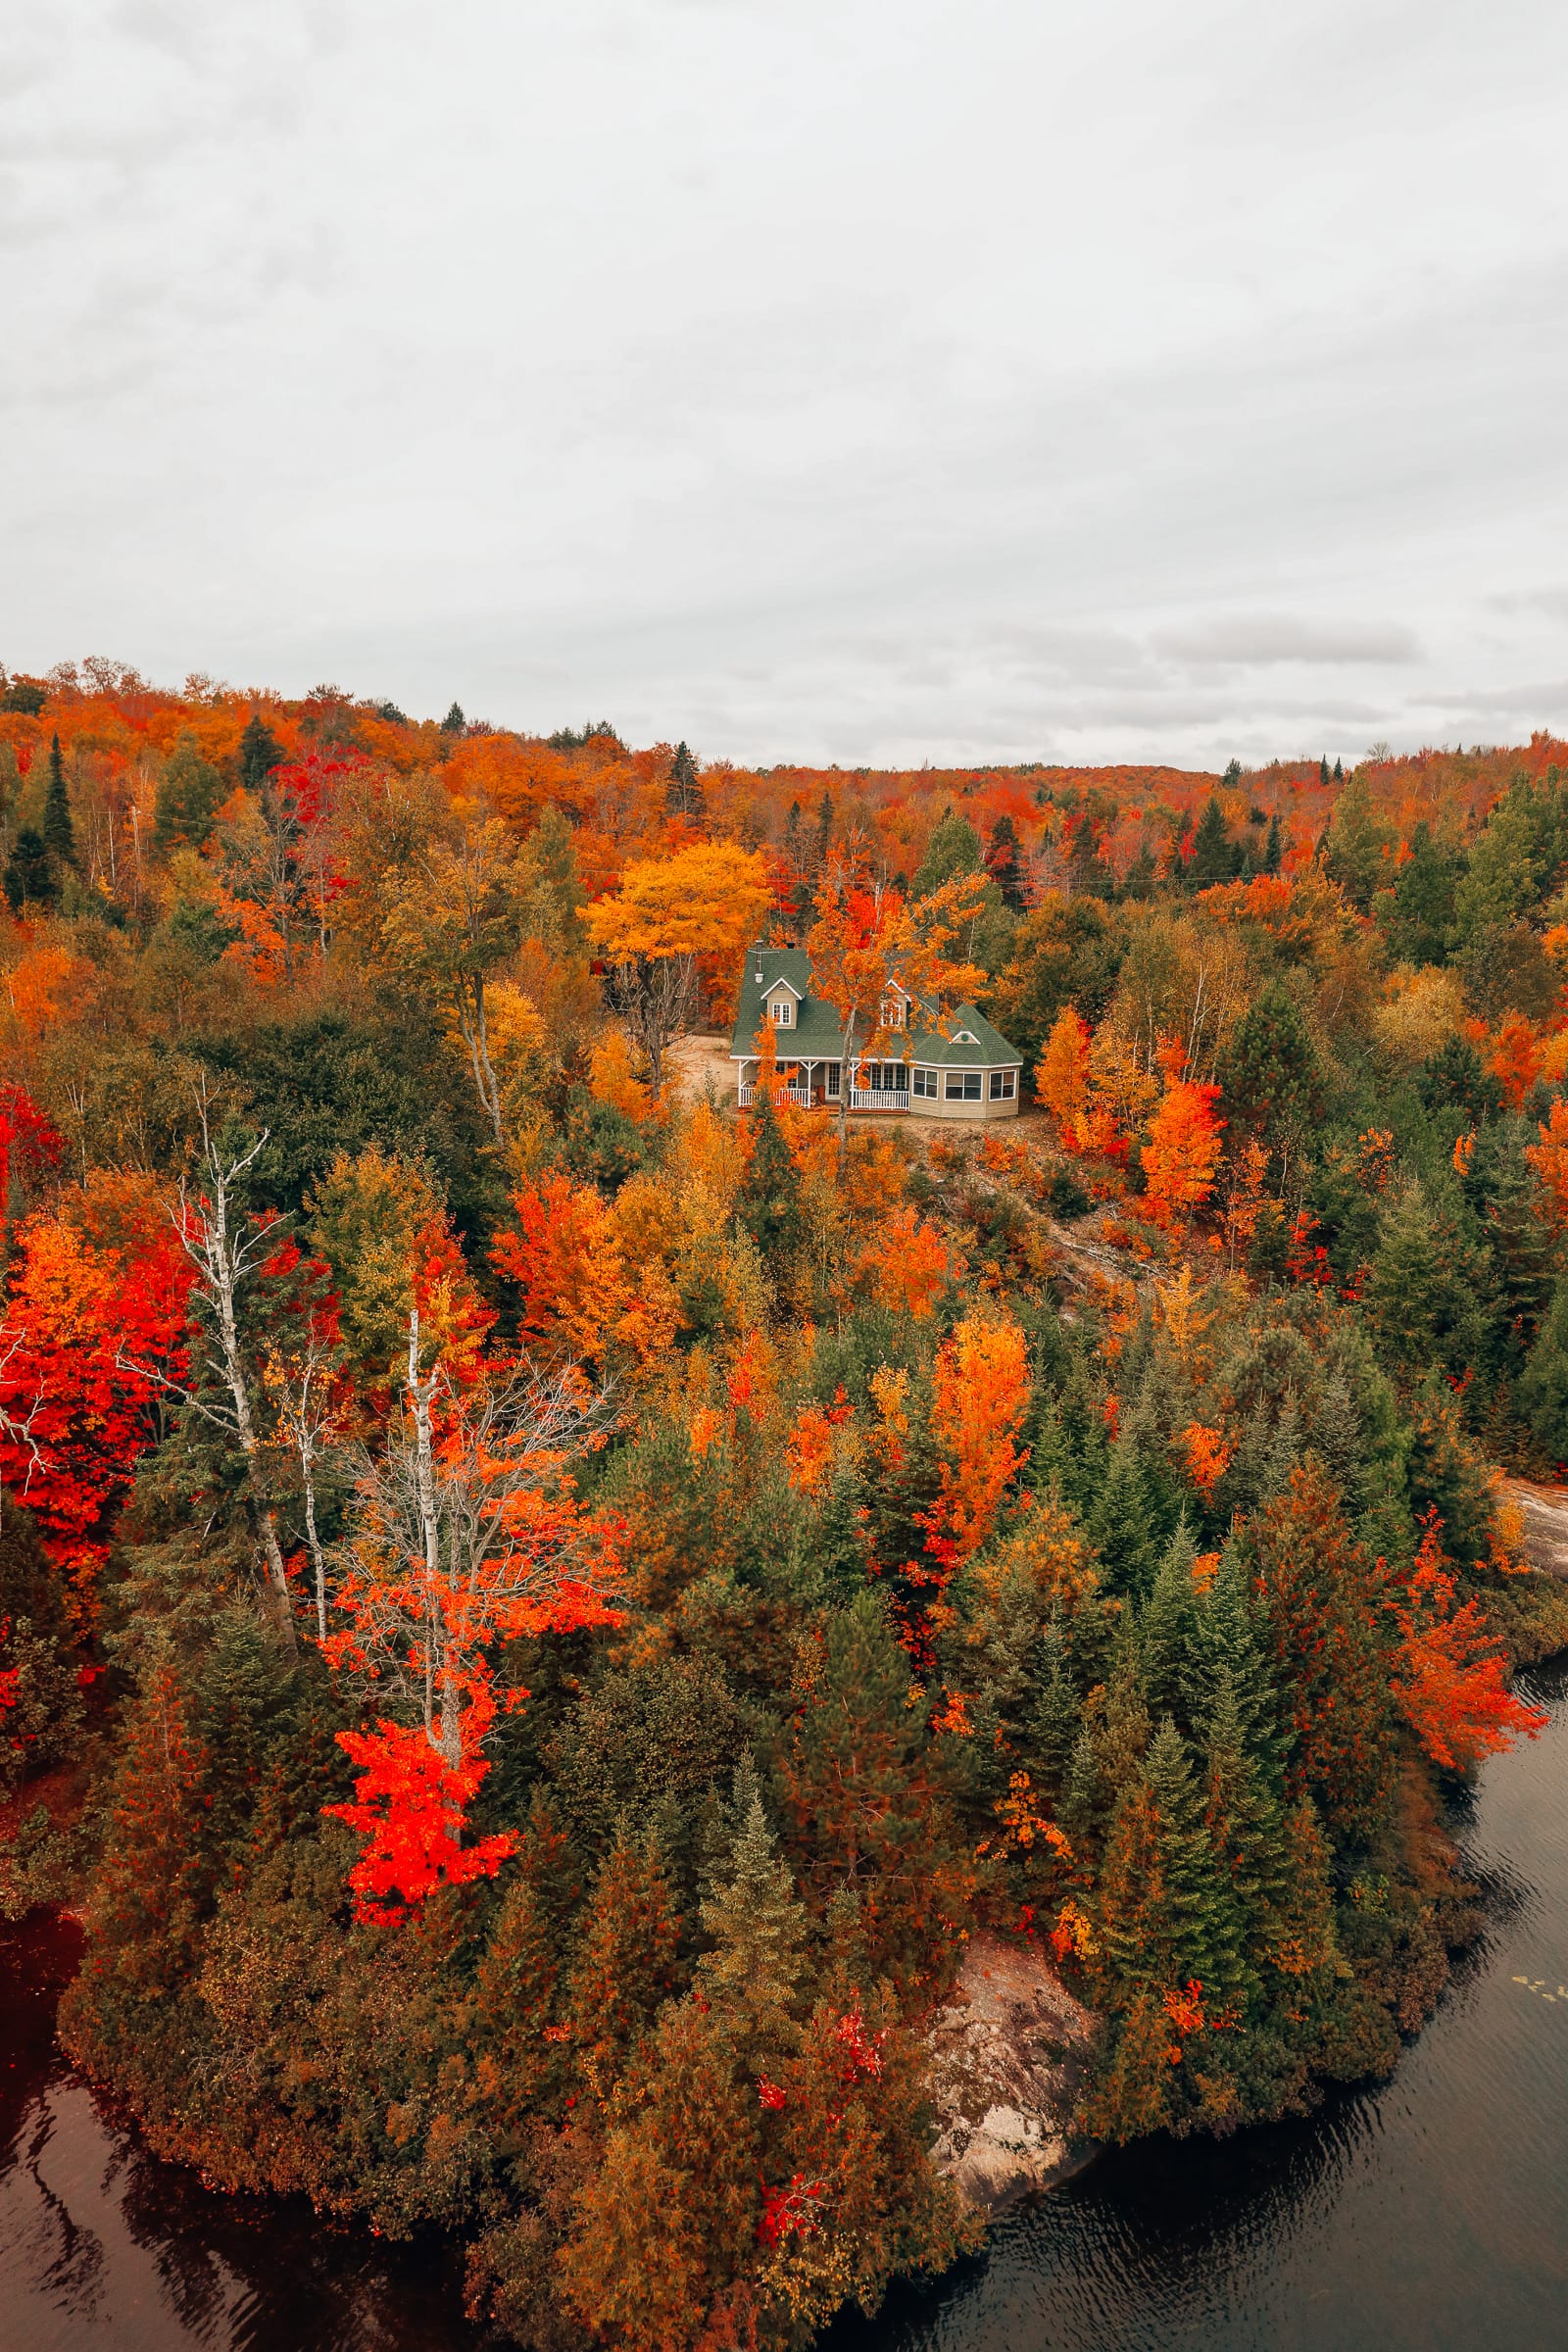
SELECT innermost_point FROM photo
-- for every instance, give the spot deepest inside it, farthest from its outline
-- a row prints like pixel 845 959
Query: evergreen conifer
pixel 625 1965
pixel 260 751
pixel 752 1976
pixel 1213 860
pixel 770 1202
pixel 683 795
pixel 1168 1622
pixel 1274 847
pixel 1002 860
pixel 1544 1389
pixel 187 797
pixel 29 876
pixel 58 832
pixel 1167 1916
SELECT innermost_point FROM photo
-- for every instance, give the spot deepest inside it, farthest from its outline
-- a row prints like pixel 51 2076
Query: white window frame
pixel 1003 1086
pixel 927 1084
pixel 783 1014
pixel 957 1088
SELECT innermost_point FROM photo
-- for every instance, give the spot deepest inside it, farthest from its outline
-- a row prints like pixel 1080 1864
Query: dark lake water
pixel 1428 2214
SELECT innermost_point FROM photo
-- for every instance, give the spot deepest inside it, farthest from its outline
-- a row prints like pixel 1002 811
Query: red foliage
pixel 73 1413
pixel 1449 1680
pixel 409 1807
pixel 30 1147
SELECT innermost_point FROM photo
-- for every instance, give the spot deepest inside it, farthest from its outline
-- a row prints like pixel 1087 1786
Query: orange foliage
pixel 1209 1457
pixel 564 1255
pixel 1062 1078
pixel 808 1451
pixel 612 1080
pixel 1184 1147
pixel 43 984
pixel 1515 1058
pixel 907 1264
pixel 1450 1680
pixel 1549 1160
pixel 981 1395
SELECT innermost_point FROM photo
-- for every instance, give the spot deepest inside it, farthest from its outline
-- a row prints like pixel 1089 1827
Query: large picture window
pixel 964 1086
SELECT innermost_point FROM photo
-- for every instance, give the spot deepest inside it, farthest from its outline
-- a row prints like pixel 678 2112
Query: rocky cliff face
pixel 1008 2056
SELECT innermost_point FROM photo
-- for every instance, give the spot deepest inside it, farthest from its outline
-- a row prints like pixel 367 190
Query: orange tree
pixel 669 916
pixel 865 938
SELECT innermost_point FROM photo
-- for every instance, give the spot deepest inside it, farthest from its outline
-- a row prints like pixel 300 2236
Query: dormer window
pixel 892 1012
pixel 964 1037
pixel 782 1012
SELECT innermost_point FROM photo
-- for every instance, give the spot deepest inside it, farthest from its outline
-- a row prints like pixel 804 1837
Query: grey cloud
pixel 1255 640
pixel 416 349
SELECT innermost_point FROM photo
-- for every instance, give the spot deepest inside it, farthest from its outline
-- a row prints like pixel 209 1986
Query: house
pixel 973 1074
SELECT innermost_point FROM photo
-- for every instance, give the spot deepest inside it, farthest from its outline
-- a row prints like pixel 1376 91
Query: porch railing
pixel 879 1097
pixel 792 1093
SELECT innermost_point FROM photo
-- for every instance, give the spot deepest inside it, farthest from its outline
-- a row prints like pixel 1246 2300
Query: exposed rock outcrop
pixel 1008 2057
pixel 1545 1513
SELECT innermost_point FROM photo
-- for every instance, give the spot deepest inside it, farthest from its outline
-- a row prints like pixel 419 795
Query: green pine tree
pixel 1423 1298
pixel 1168 1622
pixel 58 832
pixel 1274 847
pixel 260 751
pixel 1356 839
pixel 1055 1724
pixel 1269 1073
pixel 1301 1930
pixel 1225 1651
pixel 1168 1914
pixel 555 894
pixel 1002 860
pixel 29 877
pixel 1082 1793
pixel 188 794
pixel 770 1200
pixel 1142 875
pixel 683 793
pixel 954 849
pixel 1118 1523
pixel 454 721
pixel 1544 1389
pixel 1416 915
pixel 1243 1812
pixel 1133 2092
pixel 753 1975
pixel 1211 861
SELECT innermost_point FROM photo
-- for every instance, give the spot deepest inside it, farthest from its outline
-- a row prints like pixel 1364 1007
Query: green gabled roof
pixel 816 1031
pixel 990 1045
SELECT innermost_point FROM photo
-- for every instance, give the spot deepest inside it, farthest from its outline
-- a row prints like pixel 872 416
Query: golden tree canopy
pixel 707 899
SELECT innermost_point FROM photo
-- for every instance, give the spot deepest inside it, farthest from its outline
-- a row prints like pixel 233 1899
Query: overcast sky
pixel 857 380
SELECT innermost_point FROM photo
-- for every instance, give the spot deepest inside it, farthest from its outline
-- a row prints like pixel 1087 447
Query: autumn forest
pixel 544 1608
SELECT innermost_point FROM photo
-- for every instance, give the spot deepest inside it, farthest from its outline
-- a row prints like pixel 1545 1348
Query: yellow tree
pixel 865 938
pixel 453 917
pixel 709 900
